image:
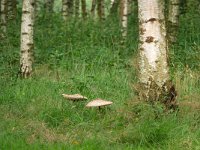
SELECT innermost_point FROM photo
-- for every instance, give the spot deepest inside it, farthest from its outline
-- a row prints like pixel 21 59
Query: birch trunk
pixel 83 7
pixel 100 9
pixel 9 9
pixel 12 9
pixel 77 5
pixel 173 20
pixel 155 84
pixel 67 9
pixel 114 7
pixel 3 17
pixel 27 44
pixel 124 15
pixel 93 8
pixel 49 5
pixel 64 9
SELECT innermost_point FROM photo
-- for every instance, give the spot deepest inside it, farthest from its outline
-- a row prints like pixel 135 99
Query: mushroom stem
pixel 99 108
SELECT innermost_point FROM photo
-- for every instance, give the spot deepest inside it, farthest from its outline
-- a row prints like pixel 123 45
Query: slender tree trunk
pixel 3 17
pixel 112 2
pixel 64 9
pixel 77 6
pixel 83 7
pixel 100 9
pixel 9 9
pixel 124 17
pixel 49 5
pixel 155 84
pixel 70 4
pixel 67 9
pixel 12 9
pixel 93 8
pixel 173 20
pixel 114 7
pixel 27 44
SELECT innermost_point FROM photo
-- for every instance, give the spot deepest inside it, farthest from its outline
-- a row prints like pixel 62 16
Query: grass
pixel 87 58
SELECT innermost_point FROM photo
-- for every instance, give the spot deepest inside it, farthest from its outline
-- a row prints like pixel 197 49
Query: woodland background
pixel 87 56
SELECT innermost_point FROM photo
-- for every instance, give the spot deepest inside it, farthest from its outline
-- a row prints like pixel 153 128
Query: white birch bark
pixel 154 70
pixel 27 44
pixel 124 17
pixel 3 16
pixel 173 19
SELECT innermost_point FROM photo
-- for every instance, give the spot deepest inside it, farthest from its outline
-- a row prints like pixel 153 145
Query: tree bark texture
pixel 83 7
pixel 114 8
pixel 67 9
pixel 77 6
pixel 124 17
pixel 27 44
pixel 94 3
pixel 173 20
pixel 4 16
pixel 100 9
pixel 12 9
pixel 155 84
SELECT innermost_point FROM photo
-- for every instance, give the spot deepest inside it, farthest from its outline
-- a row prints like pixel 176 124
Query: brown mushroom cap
pixel 98 102
pixel 74 97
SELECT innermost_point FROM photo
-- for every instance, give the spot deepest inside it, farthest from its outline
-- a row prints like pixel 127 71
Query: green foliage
pixel 86 57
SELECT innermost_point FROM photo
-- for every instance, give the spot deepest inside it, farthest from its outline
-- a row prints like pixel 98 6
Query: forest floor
pixel 87 58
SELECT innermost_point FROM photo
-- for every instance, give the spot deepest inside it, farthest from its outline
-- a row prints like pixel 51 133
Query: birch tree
pixel 77 6
pixel 3 17
pixel 26 58
pixel 64 9
pixel 83 7
pixel 93 8
pixel 124 17
pixel 114 7
pixel 12 9
pixel 67 9
pixel 100 9
pixel 155 84
pixel 173 20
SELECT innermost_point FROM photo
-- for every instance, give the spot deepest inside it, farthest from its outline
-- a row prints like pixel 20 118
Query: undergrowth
pixel 86 57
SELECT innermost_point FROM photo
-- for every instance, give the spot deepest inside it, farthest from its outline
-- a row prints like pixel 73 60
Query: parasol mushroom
pixel 74 97
pixel 98 103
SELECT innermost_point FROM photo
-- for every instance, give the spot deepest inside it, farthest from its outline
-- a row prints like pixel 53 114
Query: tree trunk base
pixel 153 94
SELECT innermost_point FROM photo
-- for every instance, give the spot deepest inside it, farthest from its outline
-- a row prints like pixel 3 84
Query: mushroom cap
pixel 98 102
pixel 74 97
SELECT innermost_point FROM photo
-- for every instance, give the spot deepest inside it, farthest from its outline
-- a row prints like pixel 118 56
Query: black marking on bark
pixel 149 39
pixel 142 30
pixel 141 42
pixel 151 20
pixel 141 48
